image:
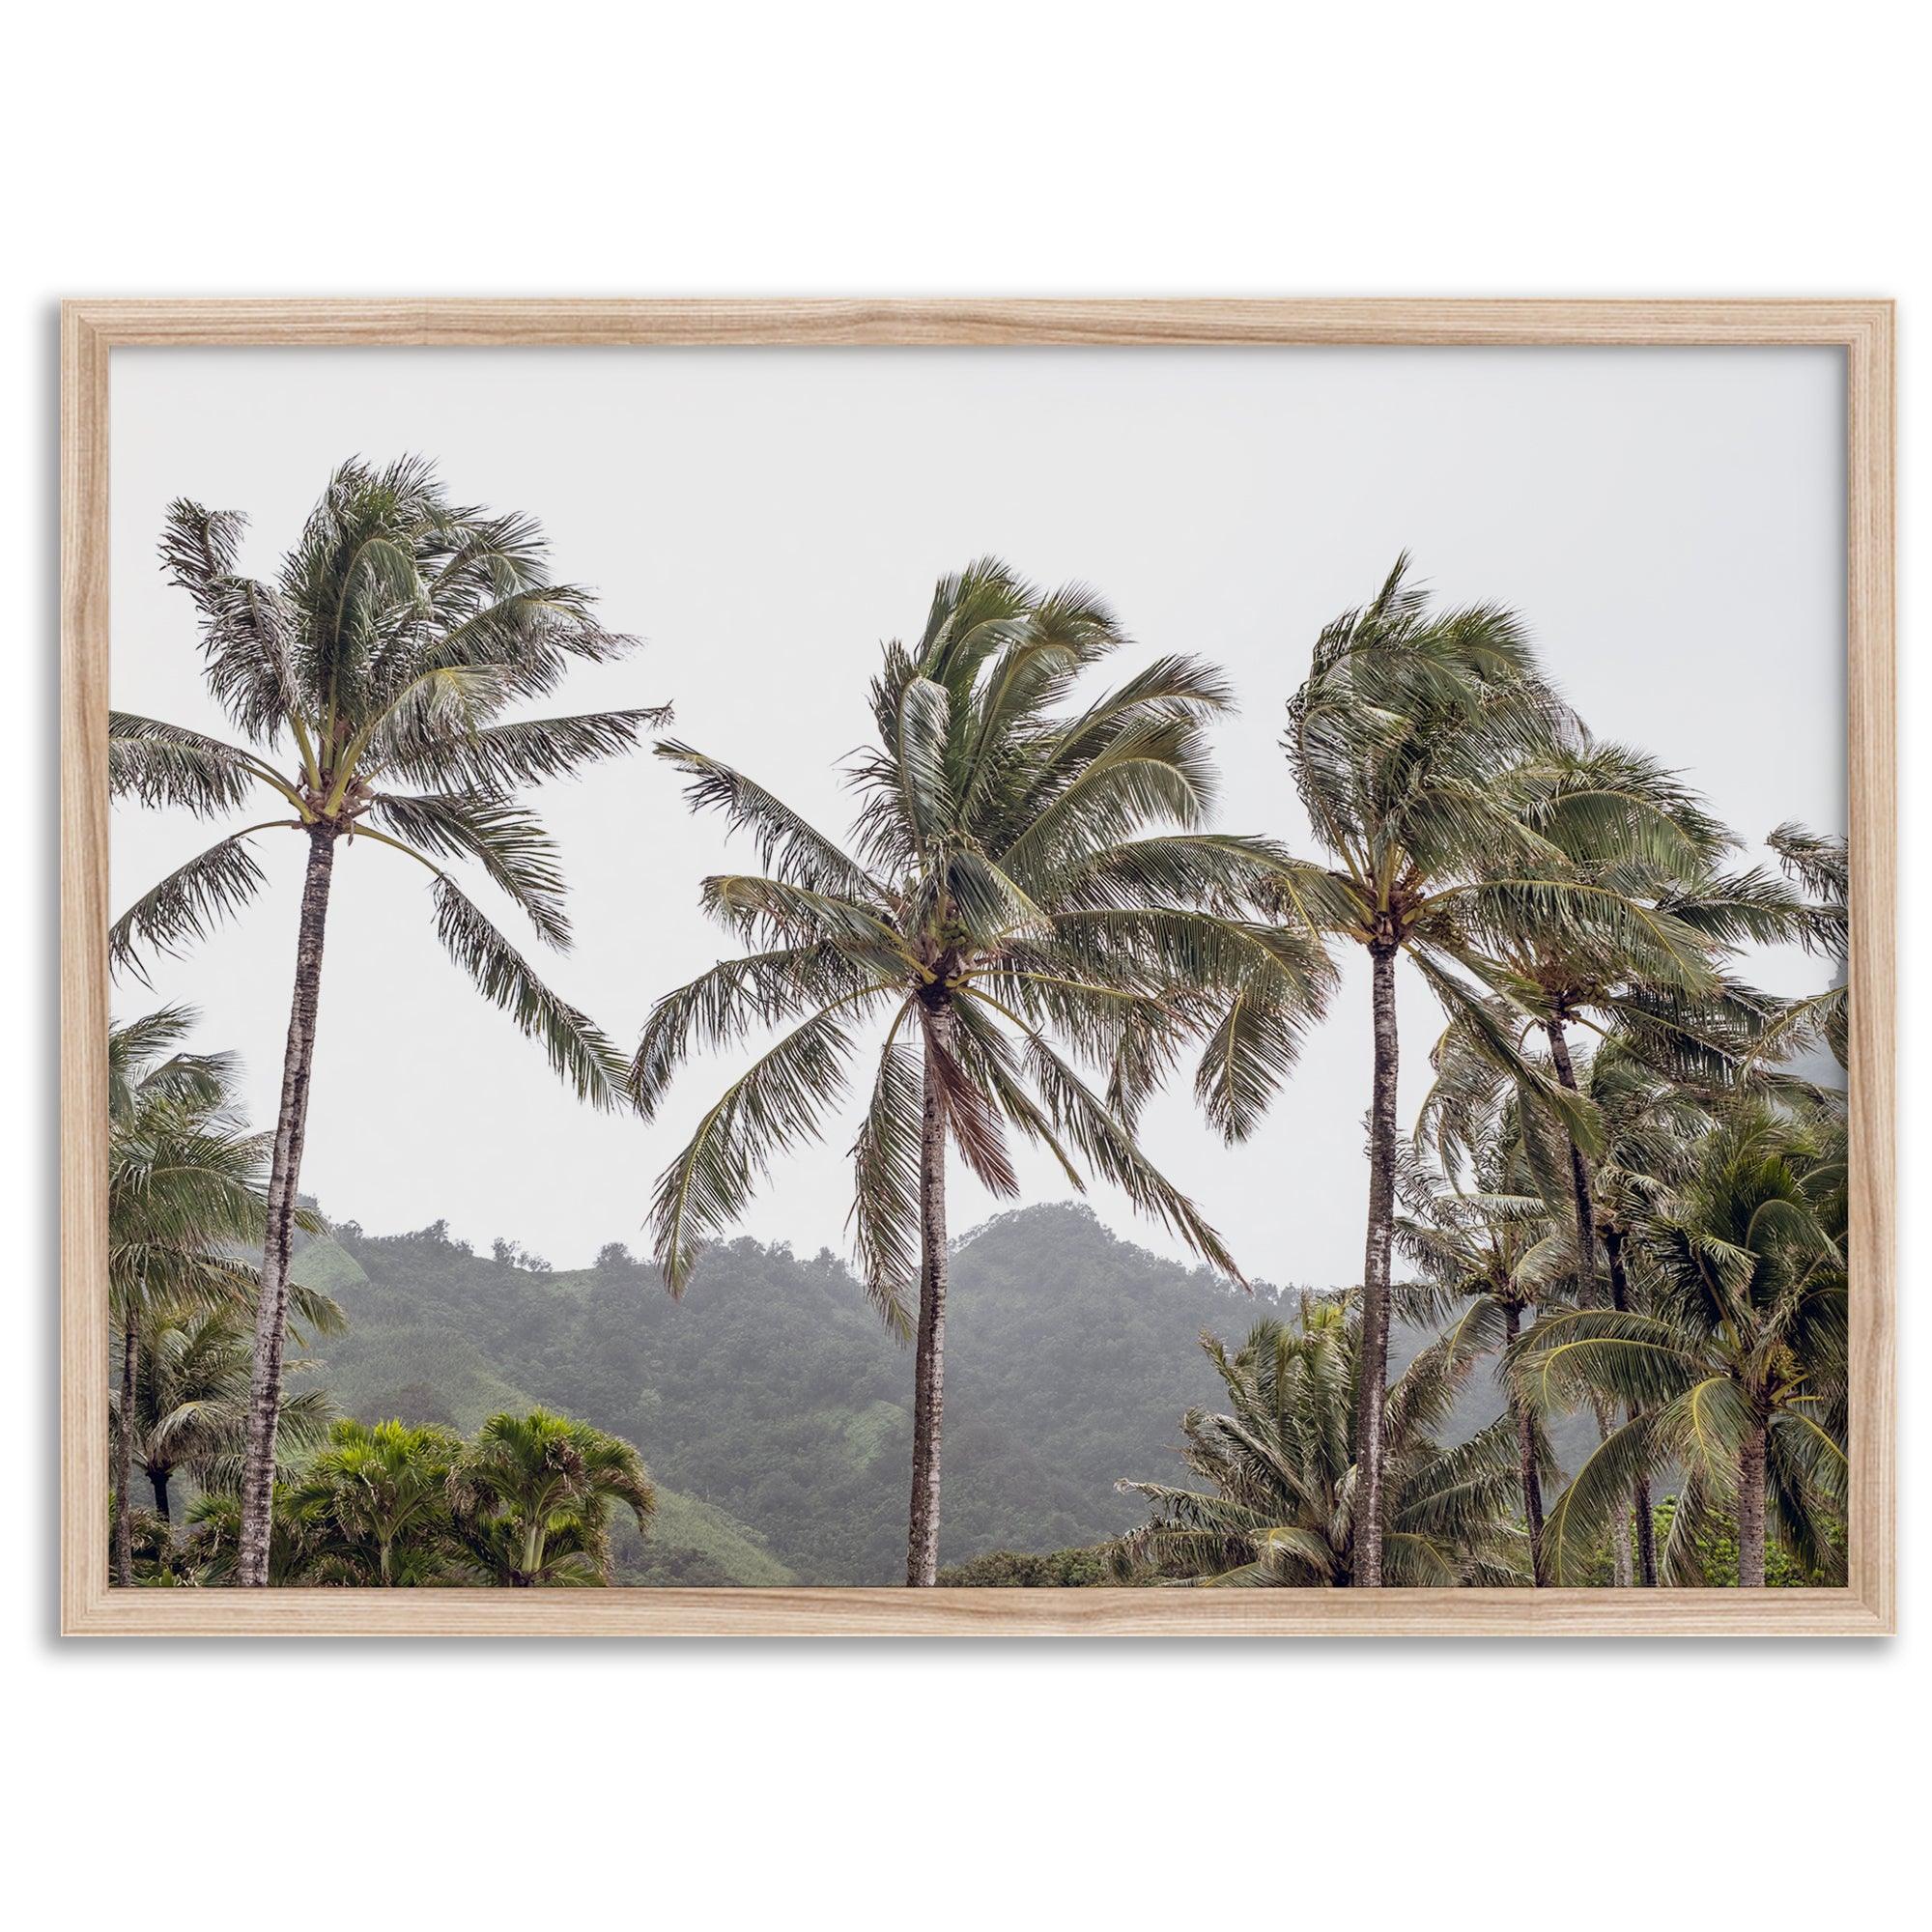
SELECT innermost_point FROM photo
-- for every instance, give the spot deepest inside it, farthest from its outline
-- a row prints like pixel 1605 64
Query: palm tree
pixel 1284 1496
pixel 185 1193
pixel 191 1396
pixel 1493 1251
pixel 374 1507
pixel 1633 940
pixel 1399 742
pixel 533 1495
pixel 1027 883
pixel 1737 1372
pixel 400 628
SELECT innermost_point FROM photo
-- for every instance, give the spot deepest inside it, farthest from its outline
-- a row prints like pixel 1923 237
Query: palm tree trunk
pixel 1526 1461
pixel 1373 1378
pixel 1580 1168
pixel 1646 1524
pixel 1750 1510
pixel 1586 1254
pixel 124 1462
pixel 265 1386
pixel 929 1369
pixel 158 1481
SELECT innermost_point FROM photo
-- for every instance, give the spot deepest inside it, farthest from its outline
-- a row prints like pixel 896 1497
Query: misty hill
pixel 775 1410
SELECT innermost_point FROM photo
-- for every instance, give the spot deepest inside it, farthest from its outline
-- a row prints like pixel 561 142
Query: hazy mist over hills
pixel 774 1408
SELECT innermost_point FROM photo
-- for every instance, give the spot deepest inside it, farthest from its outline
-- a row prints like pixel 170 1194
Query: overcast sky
pixel 1668 522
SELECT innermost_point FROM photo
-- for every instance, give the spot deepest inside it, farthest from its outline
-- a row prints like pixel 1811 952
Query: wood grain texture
pixel 1863 329
pixel 84 919
pixel 463 322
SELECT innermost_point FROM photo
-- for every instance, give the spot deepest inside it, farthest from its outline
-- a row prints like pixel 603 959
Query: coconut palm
pixel 368 685
pixel 373 1506
pixel 1029 893
pixel 532 1498
pixel 1735 1373
pixel 1400 741
pixel 185 1196
pixel 1283 1493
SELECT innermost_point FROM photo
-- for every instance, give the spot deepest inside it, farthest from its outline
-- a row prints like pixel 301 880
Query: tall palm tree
pixel 533 1496
pixel 1029 888
pixel 1284 1498
pixel 369 684
pixel 1399 740
pixel 184 1195
pixel 1737 1372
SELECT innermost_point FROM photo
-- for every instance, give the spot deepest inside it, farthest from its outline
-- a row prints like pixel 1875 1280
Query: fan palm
pixel 533 1496
pixel 368 685
pixel 1735 1373
pixel 1284 1496
pixel 1399 740
pixel 1029 888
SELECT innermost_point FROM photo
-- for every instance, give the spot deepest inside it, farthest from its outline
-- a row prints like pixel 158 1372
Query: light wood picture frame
pixel 93 330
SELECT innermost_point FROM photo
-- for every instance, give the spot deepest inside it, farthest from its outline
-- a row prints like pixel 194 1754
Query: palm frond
pixel 578 1050
pixel 507 841
pixel 189 903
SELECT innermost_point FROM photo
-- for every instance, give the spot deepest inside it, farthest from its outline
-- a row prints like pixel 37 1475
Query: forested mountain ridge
pixel 773 1407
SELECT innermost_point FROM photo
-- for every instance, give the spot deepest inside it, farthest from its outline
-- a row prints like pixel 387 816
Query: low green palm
pixel 1283 1493
pixel 1029 899
pixel 191 1396
pixel 373 1507
pixel 1736 1371
pixel 370 686
pixel 532 1499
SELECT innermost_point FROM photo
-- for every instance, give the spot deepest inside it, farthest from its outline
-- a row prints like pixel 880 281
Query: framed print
pixel 978 966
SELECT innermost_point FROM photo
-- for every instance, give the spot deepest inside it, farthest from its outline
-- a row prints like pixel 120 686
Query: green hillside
pixel 401 1359
pixel 772 1407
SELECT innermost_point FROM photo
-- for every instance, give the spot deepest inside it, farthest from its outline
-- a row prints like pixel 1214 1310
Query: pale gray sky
pixel 1669 523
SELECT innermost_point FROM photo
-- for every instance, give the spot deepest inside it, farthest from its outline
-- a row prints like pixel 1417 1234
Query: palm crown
pixel 1008 913
pixel 532 1498
pixel 368 685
